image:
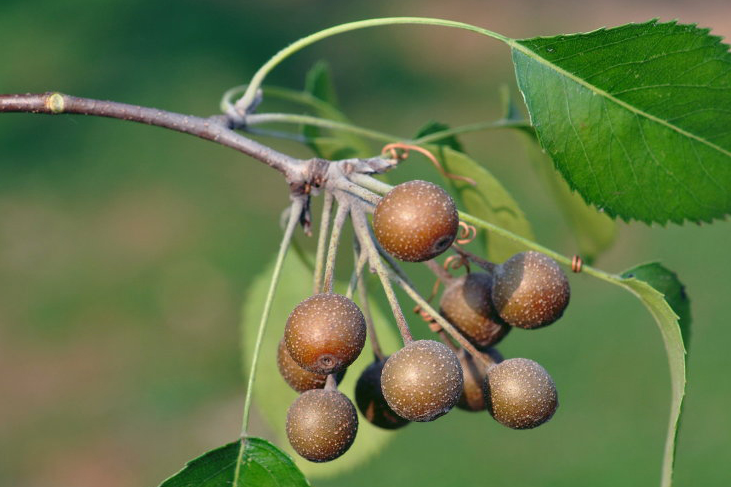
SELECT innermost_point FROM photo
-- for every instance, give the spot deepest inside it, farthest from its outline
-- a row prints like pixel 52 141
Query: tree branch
pixel 216 129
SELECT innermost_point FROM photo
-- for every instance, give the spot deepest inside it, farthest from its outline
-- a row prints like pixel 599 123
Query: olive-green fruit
pixel 370 401
pixel 473 391
pixel 530 290
pixel 325 333
pixel 466 303
pixel 520 393
pixel 300 379
pixel 321 424
pixel 416 221
pixel 422 381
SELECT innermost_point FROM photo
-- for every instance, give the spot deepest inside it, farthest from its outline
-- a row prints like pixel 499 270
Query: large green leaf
pixel 263 465
pixel 664 296
pixel 636 117
pixel 272 396
pixel 488 200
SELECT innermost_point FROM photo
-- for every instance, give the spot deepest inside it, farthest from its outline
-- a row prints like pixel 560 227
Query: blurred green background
pixel 126 251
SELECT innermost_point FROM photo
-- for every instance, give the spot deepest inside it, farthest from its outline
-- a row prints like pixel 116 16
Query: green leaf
pixel 487 200
pixel 666 282
pixel 263 465
pixel 594 231
pixel 636 117
pixel 664 296
pixel 319 83
pixel 432 127
pixel 272 396
pixel 343 145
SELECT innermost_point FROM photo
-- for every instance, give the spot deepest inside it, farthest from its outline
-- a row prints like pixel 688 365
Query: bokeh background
pixel 126 251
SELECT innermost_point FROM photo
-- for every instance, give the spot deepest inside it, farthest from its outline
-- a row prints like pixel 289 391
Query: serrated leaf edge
pixel 515 44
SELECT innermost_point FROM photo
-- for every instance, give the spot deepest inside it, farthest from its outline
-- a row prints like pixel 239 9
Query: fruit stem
pixel 356 190
pixel 327 206
pixel 332 250
pixel 444 337
pixel 294 217
pixel 371 183
pixel 360 261
pixel 383 188
pixel 446 325
pixel 366 308
pixel 331 384
pixel 438 270
pixel 362 231
pixel 484 263
pixel 593 271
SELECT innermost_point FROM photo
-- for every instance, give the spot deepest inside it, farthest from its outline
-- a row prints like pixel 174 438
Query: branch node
pixel 55 103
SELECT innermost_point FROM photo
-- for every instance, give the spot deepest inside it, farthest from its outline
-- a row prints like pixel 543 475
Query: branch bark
pixel 217 129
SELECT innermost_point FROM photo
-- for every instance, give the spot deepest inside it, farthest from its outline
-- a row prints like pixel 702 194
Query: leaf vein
pixel 620 102
pixel 581 141
pixel 705 171
pixel 602 46
pixel 630 161
pixel 668 85
pixel 669 173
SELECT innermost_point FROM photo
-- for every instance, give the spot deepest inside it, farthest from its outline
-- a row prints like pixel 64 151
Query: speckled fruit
pixel 416 221
pixel 325 333
pixel 466 303
pixel 422 381
pixel 520 394
pixel 473 391
pixel 370 400
pixel 321 425
pixel 299 379
pixel 530 290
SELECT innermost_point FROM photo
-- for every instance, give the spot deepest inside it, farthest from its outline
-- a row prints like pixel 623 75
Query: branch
pixel 216 129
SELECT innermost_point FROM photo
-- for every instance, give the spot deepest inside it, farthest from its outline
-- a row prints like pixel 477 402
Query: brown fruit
pixel 416 221
pixel 520 393
pixel 422 381
pixel 300 379
pixel 466 303
pixel 321 425
pixel 325 333
pixel 370 400
pixel 530 290
pixel 473 391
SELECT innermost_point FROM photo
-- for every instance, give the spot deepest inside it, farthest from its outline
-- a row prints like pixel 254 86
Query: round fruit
pixel 370 400
pixel 530 290
pixel 416 221
pixel 473 391
pixel 321 425
pixel 520 394
pixel 466 303
pixel 325 333
pixel 300 379
pixel 422 381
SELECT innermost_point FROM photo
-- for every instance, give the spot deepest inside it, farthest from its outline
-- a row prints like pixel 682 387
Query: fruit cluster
pixel 325 333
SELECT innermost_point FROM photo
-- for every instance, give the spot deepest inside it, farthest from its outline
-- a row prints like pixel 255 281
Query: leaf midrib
pixel 514 44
